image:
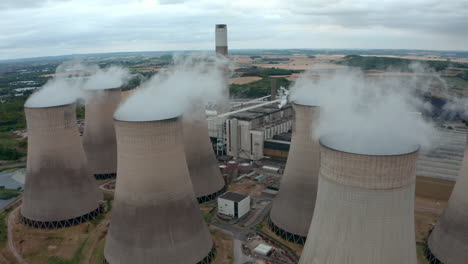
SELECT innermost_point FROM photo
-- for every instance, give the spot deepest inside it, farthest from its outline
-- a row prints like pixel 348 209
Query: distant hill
pixel 385 63
pixel 308 52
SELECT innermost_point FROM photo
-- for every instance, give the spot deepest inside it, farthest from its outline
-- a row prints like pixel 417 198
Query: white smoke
pixel 284 96
pixel 70 81
pixel 112 77
pixel 456 106
pixel 170 92
pixel 372 115
pixel 64 88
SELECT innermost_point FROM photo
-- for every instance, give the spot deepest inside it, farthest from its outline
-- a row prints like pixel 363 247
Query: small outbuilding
pixel 263 250
pixel 234 204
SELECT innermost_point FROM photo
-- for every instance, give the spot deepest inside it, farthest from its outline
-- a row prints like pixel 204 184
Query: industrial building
pixel 364 211
pixel 59 190
pixel 233 204
pixel 207 181
pixel 294 205
pixel 99 135
pixel 155 216
pixel 448 242
pixel 241 133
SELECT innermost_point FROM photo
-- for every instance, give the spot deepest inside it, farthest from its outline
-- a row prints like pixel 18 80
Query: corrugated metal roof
pixel 232 196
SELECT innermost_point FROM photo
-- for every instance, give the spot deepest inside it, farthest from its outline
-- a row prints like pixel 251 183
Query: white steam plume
pixel 371 115
pixel 170 92
pixel 113 77
pixel 64 88
pixel 72 78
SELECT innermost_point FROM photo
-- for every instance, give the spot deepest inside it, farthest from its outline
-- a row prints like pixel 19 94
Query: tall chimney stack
pixel 59 190
pixel 221 39
pixel 274 88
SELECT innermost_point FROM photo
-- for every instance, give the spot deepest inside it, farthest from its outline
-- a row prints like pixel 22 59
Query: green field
pixel 456 83
pixel 256 89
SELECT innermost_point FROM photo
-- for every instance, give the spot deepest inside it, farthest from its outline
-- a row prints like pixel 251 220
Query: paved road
pixel 239 257
pixel 11 246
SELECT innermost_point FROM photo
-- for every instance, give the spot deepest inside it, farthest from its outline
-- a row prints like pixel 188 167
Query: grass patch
pixel 6 194
pixel 75 260
pixel 256 89
pixel 3 228
pixel 98 253
pixel 207 216
pixel 420 254
pixel 456 83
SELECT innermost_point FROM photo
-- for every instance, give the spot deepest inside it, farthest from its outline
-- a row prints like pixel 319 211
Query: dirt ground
pixel 224 246
pixel 40 245
pixel 434 188
pixel 427 212
pixel 244 80
pixel 246 186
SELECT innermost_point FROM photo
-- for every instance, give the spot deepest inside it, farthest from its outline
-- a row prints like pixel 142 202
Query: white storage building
pixel 234 204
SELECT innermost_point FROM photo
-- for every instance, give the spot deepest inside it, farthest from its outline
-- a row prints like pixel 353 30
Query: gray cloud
pixel 55 27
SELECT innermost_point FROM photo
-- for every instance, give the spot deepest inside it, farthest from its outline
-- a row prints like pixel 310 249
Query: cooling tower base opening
pixel 285 234
pixel 212 196
pixel 105 176
pixel 206 260
pixel 430 257
pixel 64 223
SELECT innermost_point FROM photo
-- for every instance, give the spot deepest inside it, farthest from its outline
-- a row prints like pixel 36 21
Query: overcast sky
pixel 32 28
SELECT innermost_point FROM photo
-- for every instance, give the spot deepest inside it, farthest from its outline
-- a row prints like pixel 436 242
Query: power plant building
pixel 155 217
pixel 364 211
pixel 59 190
pixel 207 181
pixel 243 132
pixel 99 135
pixel 448 242
pixel 294 205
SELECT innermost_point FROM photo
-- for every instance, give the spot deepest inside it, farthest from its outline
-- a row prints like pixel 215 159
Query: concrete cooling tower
pixel 364 213
pixel 448 242
pixel 59 190
pixel 99 135
pixel 207 181
pixel 155 217
pixel 294 205
pixel 221 39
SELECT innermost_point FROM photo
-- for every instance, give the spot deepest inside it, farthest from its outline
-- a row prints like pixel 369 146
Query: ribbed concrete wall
pixel 58 185
pixel 203 168
pixel 294 205
pixel 364 212
pixel 99 136
pixel 449 239
pixel 155 218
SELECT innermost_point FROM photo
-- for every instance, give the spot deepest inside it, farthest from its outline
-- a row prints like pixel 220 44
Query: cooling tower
pixel 59 190
pixel 448 242
pixel 203 168
pixel 221 39
pixel 99 135
pixel 294 205
pixel 364 212
pixel 155 218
